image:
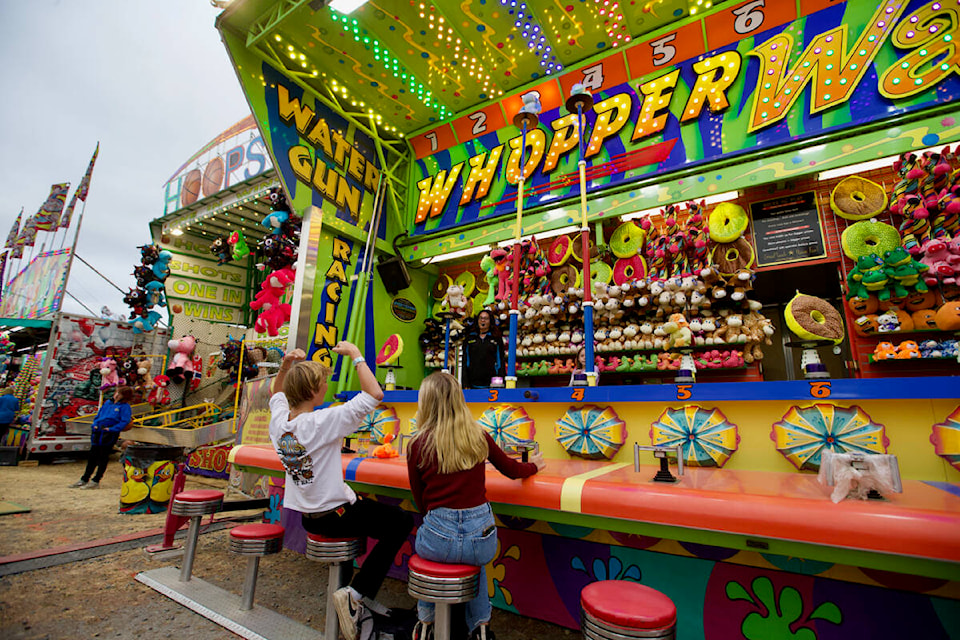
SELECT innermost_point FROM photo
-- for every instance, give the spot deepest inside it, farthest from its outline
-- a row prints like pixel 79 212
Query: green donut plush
pixel 869 236
pixel 627 240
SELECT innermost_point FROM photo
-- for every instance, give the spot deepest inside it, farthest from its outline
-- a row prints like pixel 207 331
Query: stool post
pixel 331 627
pixel 190 550
pixel 441 619
pixel 250 583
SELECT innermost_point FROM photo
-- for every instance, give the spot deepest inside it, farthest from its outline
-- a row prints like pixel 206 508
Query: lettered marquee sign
pixel 758 74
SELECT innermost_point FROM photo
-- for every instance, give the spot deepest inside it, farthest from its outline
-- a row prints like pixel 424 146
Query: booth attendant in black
pixel 483 356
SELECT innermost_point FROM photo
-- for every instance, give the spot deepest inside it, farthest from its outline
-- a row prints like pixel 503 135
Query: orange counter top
pixel 921 522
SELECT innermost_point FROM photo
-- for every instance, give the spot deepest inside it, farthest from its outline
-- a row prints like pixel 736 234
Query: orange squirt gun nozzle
pixel 386 450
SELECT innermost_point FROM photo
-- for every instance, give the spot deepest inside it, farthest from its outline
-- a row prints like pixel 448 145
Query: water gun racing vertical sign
pixel 318 152
pixel 757 74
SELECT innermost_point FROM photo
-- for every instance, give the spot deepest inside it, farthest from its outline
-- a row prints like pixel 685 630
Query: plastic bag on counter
pixel 855 475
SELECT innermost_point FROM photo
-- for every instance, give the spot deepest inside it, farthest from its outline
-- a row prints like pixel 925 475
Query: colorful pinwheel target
pixel 805 432
pixel 946 439
pixel 380 422
pixel 591 432
pixel 507 423
pixel 706 437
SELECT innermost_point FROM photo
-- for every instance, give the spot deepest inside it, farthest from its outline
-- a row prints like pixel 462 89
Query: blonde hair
pixel 450 434
pixel 303 380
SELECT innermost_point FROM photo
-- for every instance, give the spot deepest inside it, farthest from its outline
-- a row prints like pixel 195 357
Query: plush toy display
pixel 159 395
pixel 108 374
pixel 273 312
pixel 181 366
pixel 454 300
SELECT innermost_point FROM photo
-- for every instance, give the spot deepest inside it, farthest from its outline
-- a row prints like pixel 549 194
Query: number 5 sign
pixel 663 52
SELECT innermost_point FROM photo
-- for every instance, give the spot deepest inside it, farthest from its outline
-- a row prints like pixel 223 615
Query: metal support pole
pixel 446 348
pixel 190 551
pixel 331 628
pixel 441 615
pixel 585 253
pixel 250 583
pixel 511 379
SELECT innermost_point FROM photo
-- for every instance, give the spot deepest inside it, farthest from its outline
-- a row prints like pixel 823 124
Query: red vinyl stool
pixel 444 585
pixel 338 553
pixel 194 505
pixel 617 609
pixel 254 540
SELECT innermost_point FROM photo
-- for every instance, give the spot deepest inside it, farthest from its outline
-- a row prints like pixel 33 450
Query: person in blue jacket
pixel 114 417
pixel 9 405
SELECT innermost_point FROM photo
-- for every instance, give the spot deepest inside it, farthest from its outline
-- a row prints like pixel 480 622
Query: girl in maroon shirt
pixel 445 463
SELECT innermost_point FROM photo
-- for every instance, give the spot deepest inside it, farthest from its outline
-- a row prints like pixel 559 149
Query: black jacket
pixel 483 358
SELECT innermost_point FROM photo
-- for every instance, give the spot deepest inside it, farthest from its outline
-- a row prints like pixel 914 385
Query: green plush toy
pixel 489 268
pixel 869 267
pixel 905 271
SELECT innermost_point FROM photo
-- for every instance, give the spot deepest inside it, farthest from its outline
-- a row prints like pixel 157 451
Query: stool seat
pixel 254 540
pixel 257 531
pixel 628 605
pixel 197 503
pixel 442 584
pixel 199 495
pixel 440 569
pixel 324 549
pixel 338 554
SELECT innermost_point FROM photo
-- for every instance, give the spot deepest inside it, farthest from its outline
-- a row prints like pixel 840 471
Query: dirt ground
pixel 99 597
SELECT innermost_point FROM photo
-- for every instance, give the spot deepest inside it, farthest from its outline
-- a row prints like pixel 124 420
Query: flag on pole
pixel 3 264
pixel 16 252
pixel 84 187
pixel 68 212
pixel 48 217
pixel 14 231
pixel 28 234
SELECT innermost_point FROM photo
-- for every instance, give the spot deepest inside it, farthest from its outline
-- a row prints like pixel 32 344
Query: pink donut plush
pixel 629 269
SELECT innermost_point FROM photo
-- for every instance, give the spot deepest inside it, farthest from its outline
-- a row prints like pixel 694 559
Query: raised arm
pixel 368 381
pixel 289 359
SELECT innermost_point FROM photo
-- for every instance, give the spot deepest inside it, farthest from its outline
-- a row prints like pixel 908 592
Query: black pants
pixel 390 526
pixel 98 458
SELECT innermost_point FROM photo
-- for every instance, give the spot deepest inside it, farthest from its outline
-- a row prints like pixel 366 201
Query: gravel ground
pixel 99 597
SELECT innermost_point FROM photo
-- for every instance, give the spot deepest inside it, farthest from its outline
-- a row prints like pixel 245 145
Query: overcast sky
pixel 148 79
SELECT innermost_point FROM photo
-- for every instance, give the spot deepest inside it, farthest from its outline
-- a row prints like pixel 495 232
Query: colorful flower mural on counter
pixel 805 432
pixel 705 436
pixel 946 439
pixel 508 424
pixel 380 422
pixel 591 432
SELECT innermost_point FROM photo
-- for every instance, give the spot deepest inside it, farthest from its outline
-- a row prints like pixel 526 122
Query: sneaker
pixel 422 631
pixel 91 485
pixel 77 484
pixel 348 612
pixel 483 632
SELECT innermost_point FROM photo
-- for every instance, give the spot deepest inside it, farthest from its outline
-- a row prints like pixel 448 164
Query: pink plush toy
pixel 182 366
pixel 937 257
pixel 273 313
pixel 108 371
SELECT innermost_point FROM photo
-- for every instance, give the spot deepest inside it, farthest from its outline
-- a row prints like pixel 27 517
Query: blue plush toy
pixel 154 296
pixel 142 325
pixel 275 221
pixel 161 268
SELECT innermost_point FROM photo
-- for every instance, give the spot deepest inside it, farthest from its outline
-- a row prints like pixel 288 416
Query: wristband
pixel 358 360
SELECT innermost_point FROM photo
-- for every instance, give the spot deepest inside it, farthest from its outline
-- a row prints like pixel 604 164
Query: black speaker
pixel 393 274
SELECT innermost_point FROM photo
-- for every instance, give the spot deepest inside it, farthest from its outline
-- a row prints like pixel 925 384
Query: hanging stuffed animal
pixel 240 248
pixel 108 374
pixel 149 253
pixel 181 367
pixel 161 268
pixel 273 312
pixel 159 396
pixel 220 247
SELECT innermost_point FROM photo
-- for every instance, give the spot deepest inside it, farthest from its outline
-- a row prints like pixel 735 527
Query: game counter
pixel 754 514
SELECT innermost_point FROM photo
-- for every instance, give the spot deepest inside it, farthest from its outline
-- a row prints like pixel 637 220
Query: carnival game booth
pixel 689 148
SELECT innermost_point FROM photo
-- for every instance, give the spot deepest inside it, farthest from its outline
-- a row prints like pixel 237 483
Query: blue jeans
pixel 460 536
